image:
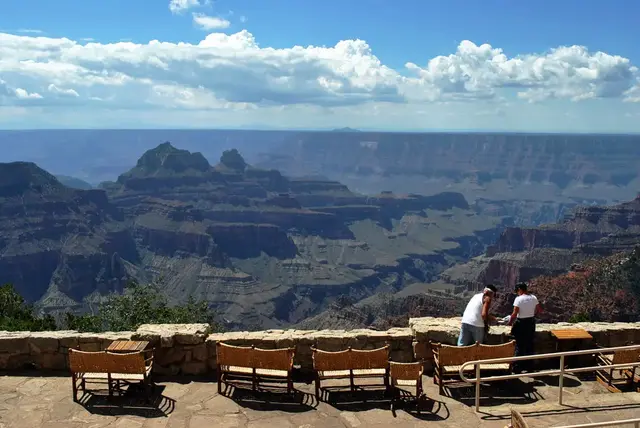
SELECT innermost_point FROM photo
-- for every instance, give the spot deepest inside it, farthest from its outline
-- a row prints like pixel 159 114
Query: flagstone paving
pixel 39 401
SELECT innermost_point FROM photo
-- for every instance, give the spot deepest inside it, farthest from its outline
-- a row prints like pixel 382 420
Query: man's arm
pixel 538 309
pixel 514 315
pixel 485 311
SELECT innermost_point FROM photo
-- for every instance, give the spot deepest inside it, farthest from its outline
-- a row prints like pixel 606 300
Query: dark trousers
pixel 524 331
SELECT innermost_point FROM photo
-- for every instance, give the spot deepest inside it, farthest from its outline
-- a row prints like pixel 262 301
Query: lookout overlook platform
pixel 35 386
pixel 30 400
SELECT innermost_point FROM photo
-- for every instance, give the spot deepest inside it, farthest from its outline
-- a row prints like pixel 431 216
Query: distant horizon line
pixel 346 130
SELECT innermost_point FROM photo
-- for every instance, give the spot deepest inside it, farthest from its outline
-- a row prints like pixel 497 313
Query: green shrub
pixel 580 317
pixel 139 304
pixel 15 315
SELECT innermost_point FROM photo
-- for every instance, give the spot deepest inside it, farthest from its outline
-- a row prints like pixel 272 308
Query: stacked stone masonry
pixel 189 349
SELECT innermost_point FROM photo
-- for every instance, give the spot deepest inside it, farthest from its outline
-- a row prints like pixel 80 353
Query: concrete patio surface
pixel 31 400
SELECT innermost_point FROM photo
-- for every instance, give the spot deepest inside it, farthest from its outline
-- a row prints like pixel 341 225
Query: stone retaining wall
pixel 189 349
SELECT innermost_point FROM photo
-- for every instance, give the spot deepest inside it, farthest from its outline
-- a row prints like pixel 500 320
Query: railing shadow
pixel 270 399
pixel 513 391
pixel 132 402
pixel 566 410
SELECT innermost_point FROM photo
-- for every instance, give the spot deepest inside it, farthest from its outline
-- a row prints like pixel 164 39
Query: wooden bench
pixel 517 421
pixel 448 359
pixel 254 364
pixel 113 368
pixel 351 364
pixel 627 376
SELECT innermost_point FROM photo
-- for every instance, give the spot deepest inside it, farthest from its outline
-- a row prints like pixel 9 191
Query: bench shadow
pixel 513 391
pixel 132 402
pixel 357 400
pixel 270 398
pixel 425 409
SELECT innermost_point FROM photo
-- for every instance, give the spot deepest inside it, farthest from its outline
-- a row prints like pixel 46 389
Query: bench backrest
pixel 351 359
pixel 449 355
pixel 626 357
pixel 106 362
pixel 504 350
pixel 274 359
pixel 369 359
pixel 229 355
pixel 331 361
pixel 252 357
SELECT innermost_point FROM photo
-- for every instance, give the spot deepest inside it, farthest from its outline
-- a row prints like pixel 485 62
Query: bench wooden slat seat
pixel 254 364
pixel 109 366
pixel 448 359
pixel 350 364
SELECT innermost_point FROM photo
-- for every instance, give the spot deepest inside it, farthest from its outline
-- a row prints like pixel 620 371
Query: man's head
pixel 521 288
pixel 490 290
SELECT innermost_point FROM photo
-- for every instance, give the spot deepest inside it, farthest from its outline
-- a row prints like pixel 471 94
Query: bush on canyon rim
pixel 605 289
pixel 140 304
pixel 16 315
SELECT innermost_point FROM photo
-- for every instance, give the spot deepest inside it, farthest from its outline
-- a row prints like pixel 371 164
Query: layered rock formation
pixel 266 250
pixel 58 244
pixel 263 249
pixel 564 161
pixel 544 174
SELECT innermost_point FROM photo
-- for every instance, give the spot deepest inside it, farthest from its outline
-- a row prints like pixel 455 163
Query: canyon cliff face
pixel 564 161
pixel 533 178
pixel 521 254
pixel 264 250
pixel 59 244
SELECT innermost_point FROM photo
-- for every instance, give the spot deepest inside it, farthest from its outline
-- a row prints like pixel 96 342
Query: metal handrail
pixel 635 422
pixel 561 372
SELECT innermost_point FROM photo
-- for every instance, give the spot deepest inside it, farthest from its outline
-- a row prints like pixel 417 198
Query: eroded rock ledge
pixel 189 349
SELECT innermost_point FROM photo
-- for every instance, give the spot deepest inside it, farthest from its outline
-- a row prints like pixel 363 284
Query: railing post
pixel 561 381
pixel 477 387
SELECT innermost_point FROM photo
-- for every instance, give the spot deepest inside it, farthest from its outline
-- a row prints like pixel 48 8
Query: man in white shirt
pixel 525 309
pixel 476 316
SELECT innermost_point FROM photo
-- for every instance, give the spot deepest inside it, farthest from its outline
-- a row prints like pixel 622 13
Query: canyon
pixel 262 249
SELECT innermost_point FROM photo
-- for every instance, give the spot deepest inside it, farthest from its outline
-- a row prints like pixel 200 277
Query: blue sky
pixel 495 64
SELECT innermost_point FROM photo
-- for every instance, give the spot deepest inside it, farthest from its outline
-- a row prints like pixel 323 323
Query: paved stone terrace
pixel 40 401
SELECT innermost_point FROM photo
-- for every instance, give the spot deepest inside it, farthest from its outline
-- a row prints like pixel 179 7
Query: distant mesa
pixel 19 178
pixel 168 159
pixel 74 183
pixel 346 129
pixel 232 159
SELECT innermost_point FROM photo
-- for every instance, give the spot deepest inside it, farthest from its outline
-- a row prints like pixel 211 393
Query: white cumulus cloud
pixel 206 22
pixel 234 72
pixel 24 95
pixel 62 92
pixel 179 6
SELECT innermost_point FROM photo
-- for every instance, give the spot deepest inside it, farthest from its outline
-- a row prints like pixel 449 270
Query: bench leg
pixel 219 378
pixel 289 384
pixel 147 389
pixel 74 387
pixel 351 381
pixel 318 388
